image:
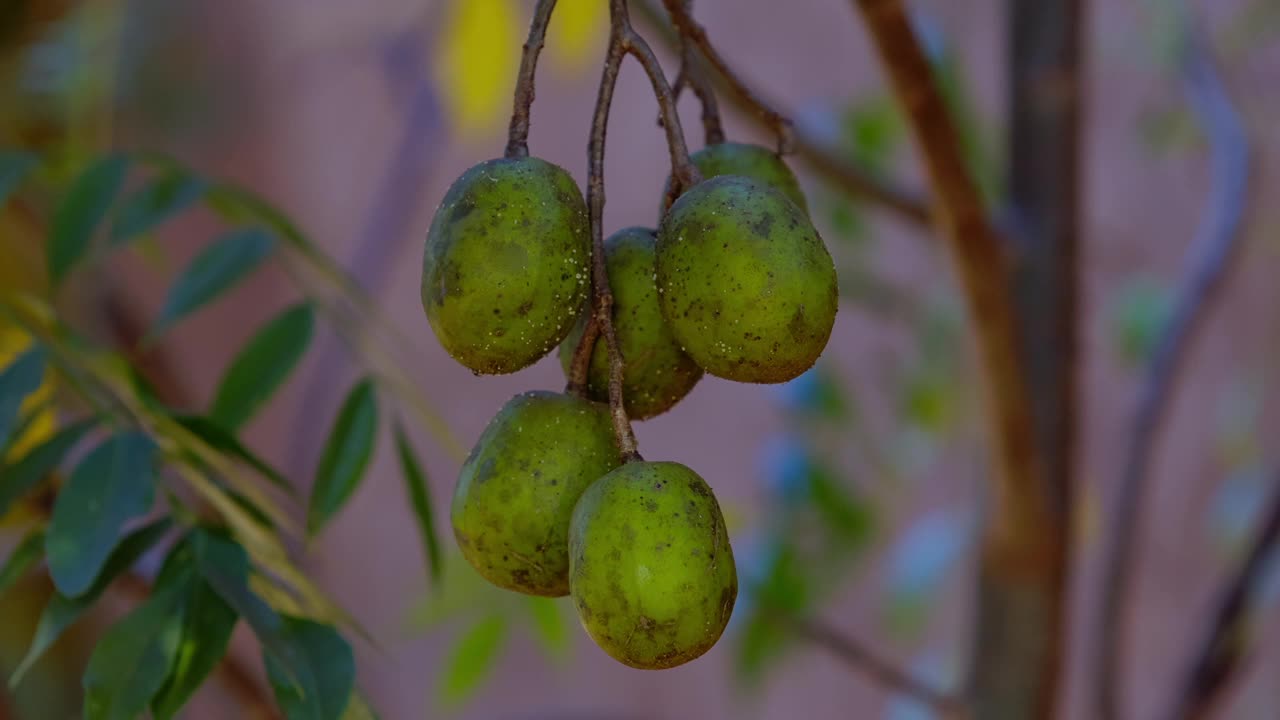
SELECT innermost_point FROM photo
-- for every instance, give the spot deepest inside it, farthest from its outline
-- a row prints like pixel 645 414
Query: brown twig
pixel 580 366
pixel 1208 261
pixel 1021 574
pixel 694 75
pixel 623 41
pixel 693 33
pixel 824 158
pixel 877 669
pixel 1226 642
pixel 518 135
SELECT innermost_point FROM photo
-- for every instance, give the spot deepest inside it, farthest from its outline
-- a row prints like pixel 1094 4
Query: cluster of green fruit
pixel 735 282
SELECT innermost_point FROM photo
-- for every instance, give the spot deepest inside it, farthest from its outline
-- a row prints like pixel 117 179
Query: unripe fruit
pixel 752 161
pixel 650 568
pixel 745 282
pixel 507 264
pixel 517 489
pixel 657 373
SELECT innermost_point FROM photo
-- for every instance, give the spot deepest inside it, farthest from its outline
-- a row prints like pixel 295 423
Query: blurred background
pixel 853 494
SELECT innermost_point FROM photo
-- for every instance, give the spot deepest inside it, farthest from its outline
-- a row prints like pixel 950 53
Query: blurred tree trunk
pixel 1020 640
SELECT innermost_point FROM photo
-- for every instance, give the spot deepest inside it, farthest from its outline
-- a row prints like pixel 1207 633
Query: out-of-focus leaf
pixel 420 500
pixel 80 212
pixel 132 658
pixel 815 392
pixel 1168 130
pixel 15 165
pixel 921 561
pixel 262 366
pixel 549 626
pixel 844 513
pixel 975 136
pixel 346 455
pixel 359 708
pixel 1234 510
pixel 577 29
pixel 847 220
pixel 18 479
pixel 214 271
pixel 28 553
pixel 162 197
pixel 206 630
pixel 472 659
pixel 874 129
pixel 223 441
pixel 316 680
pixel 17 381
pixel 110 487
pixel 62 611
pixel 477 57
pixel 1137 316
pixel 786 469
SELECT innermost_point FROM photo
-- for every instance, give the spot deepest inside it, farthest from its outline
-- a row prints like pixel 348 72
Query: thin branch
pixel 1208 262
pixel 694 74
pixel 691 32
pixel 623 40
pixel 824 158
pixel 1226 642
pixel 880 671
pixel 518 135
pixel 580 366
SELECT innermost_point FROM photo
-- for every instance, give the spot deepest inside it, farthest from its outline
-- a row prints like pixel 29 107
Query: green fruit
pixel 657 373
pixel 745 282
pixel 650 568
pixel 517 489
pixel 752 161
pixel 507 264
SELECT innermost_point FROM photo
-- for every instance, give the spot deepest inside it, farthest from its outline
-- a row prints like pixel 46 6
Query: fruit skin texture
pixel 516 491
pixel 507 264
pixel 651 571
pixel 657 373
pixel 753 161
pixel 745 282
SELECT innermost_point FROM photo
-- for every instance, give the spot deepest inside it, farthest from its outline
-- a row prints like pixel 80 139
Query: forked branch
pixel 623 41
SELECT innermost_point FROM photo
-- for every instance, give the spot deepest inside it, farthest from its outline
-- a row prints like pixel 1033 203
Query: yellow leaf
pixel 578 29
pixel 14 342
pixel 477 62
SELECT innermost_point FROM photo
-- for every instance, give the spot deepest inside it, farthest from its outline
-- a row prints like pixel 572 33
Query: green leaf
pixel 62 611
pixel 324 666
pixel 110 487
pixel 21 378
pixel 473 658
pixel 549 626
pixel 80 212
pixel 22 558
pixel 359 709
pixel 161 198
pixel 129 664
pixel 420 500
pixel 346 455
pixel 15 165
pixel 311 667
pixel 206 631
pixel 18 479
pixel 223 441
pixel 262 366
pixel 217 269
pixel 1138 314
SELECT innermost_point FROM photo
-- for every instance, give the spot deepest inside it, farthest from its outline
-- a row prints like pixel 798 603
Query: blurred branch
pixel 1021 574
pixel 881 672
pixel 1015 668
pixel 1208 262
pixel 822 157
pixel 1226 641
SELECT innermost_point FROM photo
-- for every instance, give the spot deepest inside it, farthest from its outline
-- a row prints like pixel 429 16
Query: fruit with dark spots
pixel 753 161
pixel 517 489
pixel 656 373
pixel 650 568
pixel 745 282
pixel 507 264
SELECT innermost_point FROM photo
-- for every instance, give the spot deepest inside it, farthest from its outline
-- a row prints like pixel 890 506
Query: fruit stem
pixel 580 366
pixel 693 74
pixel 692 33
pixel 518 135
